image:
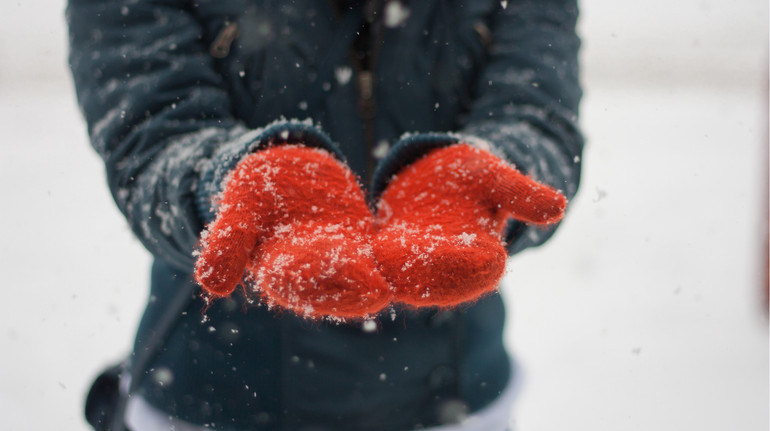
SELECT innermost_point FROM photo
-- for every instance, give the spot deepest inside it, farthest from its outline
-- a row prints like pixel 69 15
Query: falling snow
pixel 395 13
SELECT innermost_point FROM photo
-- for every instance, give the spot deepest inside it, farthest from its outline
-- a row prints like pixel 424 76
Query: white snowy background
pixel 644 313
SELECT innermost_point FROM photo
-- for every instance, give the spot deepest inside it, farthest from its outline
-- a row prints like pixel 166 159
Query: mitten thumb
pixel 223 258
pixel 524 198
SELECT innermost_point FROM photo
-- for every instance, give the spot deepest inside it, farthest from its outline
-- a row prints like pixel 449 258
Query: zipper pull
pixel 220 48
pixel 366 93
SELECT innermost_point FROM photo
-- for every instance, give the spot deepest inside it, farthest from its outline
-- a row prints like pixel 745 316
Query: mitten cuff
pixel 214 171
pixel 406 151
pixel 412 147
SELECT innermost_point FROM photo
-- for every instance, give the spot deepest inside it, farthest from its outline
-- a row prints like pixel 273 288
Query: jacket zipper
pixel 367 112
pixel 367 106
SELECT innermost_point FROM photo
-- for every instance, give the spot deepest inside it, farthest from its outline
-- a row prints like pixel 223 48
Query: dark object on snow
pixel 107 399
pixel 104 406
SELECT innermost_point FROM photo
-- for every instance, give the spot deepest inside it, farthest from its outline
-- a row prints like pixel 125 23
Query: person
pixel 283 108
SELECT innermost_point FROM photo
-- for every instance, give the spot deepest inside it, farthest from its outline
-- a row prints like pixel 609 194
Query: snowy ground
pixel 644 313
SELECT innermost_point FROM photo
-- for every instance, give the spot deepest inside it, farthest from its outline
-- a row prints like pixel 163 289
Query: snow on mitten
pixel 295 220
pixel 440 221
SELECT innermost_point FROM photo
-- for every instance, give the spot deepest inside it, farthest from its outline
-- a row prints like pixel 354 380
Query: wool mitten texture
pixel 295 221
pixel 440 221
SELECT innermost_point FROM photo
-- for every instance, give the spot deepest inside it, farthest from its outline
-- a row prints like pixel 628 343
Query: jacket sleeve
pixel 525 104
pixel 159 116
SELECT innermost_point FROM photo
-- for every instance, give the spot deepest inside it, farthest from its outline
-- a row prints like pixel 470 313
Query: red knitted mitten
pixel 439 224
pixel 295 219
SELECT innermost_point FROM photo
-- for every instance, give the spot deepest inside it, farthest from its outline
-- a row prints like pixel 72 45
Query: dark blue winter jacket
pixel 176 92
